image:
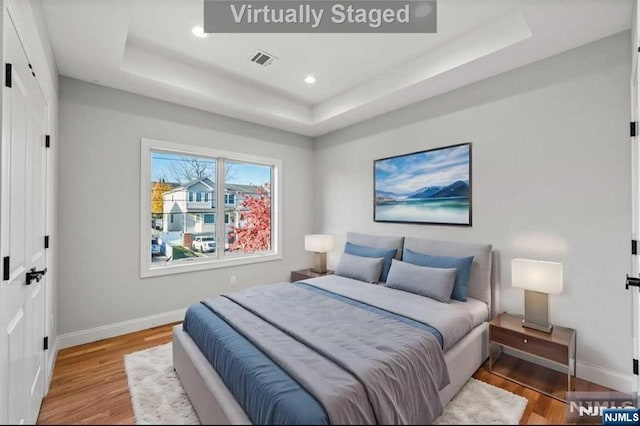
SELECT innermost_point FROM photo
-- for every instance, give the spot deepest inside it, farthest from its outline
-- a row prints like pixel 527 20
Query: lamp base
pixel 544 328
pixel 536 311
pixel 320 263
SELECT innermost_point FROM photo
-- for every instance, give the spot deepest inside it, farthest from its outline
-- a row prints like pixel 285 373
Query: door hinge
pixel 632 129
pixel 47 141
pixel 7 74
pixel 6 274
pixel 46 241
pixel 634 246
pixel 45 344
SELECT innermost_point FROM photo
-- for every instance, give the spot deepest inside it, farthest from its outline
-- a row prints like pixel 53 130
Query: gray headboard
pixel 378 241
pixel 480 277
pixel 481 280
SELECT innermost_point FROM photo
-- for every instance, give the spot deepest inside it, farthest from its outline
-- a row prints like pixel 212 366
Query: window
pixel 249 192
pixel 246 185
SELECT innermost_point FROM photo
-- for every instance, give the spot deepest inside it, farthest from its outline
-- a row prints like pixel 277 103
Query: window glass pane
pixel 209 218
pixel 182 227
pixel 248 227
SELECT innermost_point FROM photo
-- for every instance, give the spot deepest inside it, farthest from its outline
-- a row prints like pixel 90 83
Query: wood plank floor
pixel 89 384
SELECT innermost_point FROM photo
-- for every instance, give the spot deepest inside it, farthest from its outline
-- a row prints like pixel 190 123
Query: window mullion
pixel 220 235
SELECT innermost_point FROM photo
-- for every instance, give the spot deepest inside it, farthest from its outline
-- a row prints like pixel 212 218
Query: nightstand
pixel 305 274
pixel 557 347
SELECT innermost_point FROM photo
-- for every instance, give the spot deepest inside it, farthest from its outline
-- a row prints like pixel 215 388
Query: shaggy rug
pixel 158 397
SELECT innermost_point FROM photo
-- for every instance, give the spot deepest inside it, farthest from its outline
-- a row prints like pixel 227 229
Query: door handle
pixel 35 275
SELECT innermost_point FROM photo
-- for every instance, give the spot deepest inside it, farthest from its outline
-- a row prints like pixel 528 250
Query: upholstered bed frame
pixel 215 404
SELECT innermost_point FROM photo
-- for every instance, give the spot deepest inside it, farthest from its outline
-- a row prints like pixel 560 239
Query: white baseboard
pixel 112 330
pixel 605 377
pixel 593 373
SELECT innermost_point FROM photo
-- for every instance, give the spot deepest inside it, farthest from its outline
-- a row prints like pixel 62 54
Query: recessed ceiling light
pixel 309 79
pixel 198 31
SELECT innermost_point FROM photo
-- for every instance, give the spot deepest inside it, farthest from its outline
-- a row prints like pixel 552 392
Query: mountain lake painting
pixel 425 187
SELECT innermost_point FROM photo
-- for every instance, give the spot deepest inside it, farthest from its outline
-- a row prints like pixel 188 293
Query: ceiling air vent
pixel 262 58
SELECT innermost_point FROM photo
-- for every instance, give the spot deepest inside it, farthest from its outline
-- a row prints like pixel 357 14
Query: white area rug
pixel 158 396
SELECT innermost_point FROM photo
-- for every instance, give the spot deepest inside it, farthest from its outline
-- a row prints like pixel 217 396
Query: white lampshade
pixel 537 275
pixel 318 243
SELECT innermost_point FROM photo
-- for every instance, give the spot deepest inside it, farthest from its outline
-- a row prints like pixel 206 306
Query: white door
pixel 635 225
pixel 22 221
pixel 36 230
pixel 635 191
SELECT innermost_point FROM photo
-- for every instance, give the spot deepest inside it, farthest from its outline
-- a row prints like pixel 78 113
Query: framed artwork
pixel 430 187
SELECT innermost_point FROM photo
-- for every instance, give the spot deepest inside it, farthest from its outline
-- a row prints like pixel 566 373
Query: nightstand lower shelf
pixel 542 379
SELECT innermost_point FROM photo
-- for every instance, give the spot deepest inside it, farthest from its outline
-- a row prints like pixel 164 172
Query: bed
pixel 271 354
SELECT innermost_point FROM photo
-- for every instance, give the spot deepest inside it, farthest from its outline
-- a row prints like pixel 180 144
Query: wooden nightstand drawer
pixel 530 344
pixel 305 274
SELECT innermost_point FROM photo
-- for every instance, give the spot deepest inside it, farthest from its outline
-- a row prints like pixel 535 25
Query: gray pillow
pixel 367 269
pixel 436 283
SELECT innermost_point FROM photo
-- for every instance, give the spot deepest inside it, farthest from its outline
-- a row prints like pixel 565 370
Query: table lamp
pixel 320 244
pixel 538 279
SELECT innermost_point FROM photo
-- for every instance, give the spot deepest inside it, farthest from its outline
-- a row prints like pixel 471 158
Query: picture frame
pixel 431 187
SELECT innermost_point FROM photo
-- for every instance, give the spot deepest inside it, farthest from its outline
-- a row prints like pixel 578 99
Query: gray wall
pixel 99 203
pixel 551 180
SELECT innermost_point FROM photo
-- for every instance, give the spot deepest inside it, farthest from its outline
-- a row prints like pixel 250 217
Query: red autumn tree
pixel 255 233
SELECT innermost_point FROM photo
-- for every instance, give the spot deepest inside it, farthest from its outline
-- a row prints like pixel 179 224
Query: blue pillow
pixel 362 251
pixel 462 264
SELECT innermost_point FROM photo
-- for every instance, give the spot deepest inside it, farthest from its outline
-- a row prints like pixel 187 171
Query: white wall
pixel 551 180
pixel 99 202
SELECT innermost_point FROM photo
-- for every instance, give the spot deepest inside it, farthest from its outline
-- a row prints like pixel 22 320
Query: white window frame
pixel 222 260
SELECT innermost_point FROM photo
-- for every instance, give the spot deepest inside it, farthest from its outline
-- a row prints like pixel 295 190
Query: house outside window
pixel 187 184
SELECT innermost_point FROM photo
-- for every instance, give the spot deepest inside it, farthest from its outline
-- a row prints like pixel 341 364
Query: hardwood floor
pixel 89 384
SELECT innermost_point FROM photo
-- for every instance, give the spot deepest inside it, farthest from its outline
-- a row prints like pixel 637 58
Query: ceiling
pixel 146 47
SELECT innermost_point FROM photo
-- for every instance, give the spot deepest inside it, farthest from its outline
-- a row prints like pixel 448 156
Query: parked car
pixel 155 248
pixel 204 244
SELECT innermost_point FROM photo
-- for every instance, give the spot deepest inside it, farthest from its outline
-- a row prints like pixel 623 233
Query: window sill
pixel 150 271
